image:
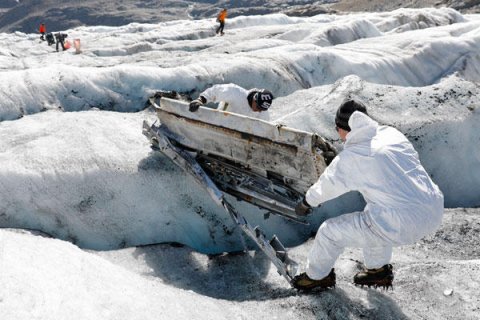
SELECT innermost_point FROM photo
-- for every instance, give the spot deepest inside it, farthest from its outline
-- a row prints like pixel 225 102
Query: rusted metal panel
pixel 257 144
pixel 241 123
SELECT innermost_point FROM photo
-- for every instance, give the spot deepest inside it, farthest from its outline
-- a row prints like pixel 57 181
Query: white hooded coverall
pixel 235 98
pixel 403 204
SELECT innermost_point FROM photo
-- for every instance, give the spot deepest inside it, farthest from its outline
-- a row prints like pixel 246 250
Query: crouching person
pixel 50 39
pixel 403 204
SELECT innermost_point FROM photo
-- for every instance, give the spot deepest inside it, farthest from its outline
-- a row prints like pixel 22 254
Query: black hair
pixel 345 111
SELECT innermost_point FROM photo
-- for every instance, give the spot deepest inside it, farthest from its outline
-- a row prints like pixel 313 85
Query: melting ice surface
pixel 74 163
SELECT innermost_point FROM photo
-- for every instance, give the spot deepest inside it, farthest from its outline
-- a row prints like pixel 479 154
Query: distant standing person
pixel 221 19
pixel 42 29
pixel 60 37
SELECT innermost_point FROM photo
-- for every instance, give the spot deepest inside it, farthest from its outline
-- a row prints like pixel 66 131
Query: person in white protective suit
pixel 253 103
pixel 403 204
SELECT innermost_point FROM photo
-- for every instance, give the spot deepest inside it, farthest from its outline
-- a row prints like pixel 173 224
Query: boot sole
pixel 315 289
pixel 383 283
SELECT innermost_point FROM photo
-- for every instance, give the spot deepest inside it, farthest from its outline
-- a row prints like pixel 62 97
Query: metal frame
pixel 162 141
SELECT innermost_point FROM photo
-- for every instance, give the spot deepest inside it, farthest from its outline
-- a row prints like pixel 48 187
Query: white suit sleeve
pixel 331 184
pixel 224 92
pixel 211 94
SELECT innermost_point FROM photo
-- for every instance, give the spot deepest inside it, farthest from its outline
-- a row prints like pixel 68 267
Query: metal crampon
pixel 381 277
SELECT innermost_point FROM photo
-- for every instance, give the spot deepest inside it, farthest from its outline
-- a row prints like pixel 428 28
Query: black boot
pixel 381 277
pixel 305 283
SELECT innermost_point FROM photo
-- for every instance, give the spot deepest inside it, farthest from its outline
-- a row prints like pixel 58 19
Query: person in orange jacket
pixel 221 18
pixel 42 29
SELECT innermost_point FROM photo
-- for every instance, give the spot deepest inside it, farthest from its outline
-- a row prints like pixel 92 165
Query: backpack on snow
pixel 50 39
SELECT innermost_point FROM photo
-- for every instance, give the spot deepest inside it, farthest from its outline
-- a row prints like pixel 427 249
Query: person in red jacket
pixel 42 29
pixel 221 18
